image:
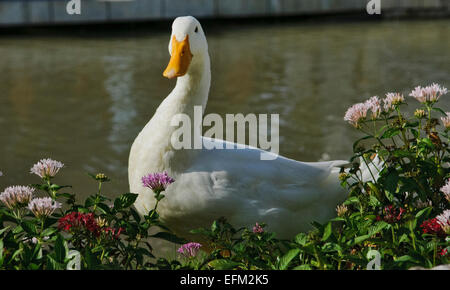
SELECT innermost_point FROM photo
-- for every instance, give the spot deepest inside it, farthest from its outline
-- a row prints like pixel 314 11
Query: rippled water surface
pixel 83 100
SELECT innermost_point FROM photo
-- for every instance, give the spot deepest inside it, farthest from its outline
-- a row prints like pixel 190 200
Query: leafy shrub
pixel 400 212
pixel 105 234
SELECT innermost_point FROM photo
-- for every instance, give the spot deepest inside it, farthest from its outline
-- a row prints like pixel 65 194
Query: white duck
pixel 286 194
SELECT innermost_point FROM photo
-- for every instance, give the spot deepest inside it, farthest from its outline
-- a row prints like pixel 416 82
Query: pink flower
pixel 374 104
pixel 429 94
pixel 446 190
pixel 419 94
pixel 392 100
pixel 46 168
pixel 356 113
pixel 257 229
pixel 446 120
pixel 157 181
pixel 444 221
pixel 43 207
pixel 189 250
pixel 17 196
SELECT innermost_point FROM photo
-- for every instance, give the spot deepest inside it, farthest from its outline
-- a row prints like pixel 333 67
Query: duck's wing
pixel 237 184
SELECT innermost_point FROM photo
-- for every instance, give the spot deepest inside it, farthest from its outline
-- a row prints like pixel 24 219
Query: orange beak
pixel 180 60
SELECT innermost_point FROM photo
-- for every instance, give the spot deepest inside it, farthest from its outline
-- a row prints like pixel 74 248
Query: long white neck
pixel 154 141
pixel 192 89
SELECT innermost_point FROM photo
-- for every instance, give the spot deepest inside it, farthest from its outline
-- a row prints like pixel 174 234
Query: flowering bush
pixel 401 210
pixel 39 233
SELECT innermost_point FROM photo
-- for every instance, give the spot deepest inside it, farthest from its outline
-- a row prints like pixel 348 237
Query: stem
pixel 97 196
pixel 413 236
pixel 154 209
pixel 393 235
pixel 401 120
pixel 99 187
pixel 18 215
pixel 318 258
pixel 50 192
pixel 103 254
pixel 434 251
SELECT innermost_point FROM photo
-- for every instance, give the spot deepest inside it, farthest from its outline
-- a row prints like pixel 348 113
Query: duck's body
pixel 235 183
pixel 284 193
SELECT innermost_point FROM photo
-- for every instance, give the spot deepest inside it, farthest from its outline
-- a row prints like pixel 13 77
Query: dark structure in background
pixel 50 12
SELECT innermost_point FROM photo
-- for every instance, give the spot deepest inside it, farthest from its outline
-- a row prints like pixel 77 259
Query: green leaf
pixel 391 132
pixel 52 264
pixel 135 215
pixel 15 254
pixel 61 249
pixel 411 124
pixel 303 267
pixel 84 210
pixel 440 111
pixel 29 227
pixel 427 143
pixel 373 201
pixel 337 219
pixel 222 264
pixel 284 262
pixel 4 230
pixel 301 239
pixel 401 153
pixel 90 259
pixel 327 232
pixel 378 227
pixel 403 238
pixel 426 212
pixel 214 227
pixel 361 239
pixel 104 208
pixel 56 187
pixel 351 200
pixel 90 201
pixel 92 175
pixel 331 247
pixel 390 181
pixel 125 200
pixel 405 259
pixel 48 232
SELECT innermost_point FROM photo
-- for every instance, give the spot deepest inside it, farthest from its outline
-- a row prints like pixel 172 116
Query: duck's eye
pixel 196 29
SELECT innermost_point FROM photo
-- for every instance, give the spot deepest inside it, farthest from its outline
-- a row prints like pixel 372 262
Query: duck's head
pixel 187 46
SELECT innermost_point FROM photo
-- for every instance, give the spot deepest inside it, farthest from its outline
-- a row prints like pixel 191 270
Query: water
pixel 82 99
